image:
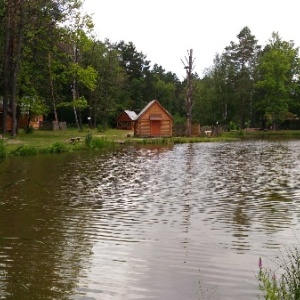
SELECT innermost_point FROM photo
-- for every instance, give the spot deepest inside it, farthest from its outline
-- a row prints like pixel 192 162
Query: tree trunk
pixel 189 117
pixel 74 88
pixel 74 94
pixel 7 64
pixel 52 89
pixel 16 68
pixel 28 122
pixel 80 119
pixel 189 93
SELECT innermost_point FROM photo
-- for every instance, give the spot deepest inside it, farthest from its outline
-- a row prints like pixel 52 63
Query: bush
pixel 3 150
pixel 25 150
pixel 29 129
pixel 58 147
pixel 233 126
pixel 101 128
pixel 88 140
pixel 98 143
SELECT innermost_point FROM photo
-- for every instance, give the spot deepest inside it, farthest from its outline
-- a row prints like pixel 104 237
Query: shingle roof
pixel 131 114
pixel 148 105
pixel 145 108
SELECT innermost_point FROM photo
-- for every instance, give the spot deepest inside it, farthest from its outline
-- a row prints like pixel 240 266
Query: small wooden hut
pixel 126 120
pixel 153 121
pixel 34 121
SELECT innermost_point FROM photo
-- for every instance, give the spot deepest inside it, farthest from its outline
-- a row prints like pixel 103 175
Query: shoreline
pixel 43 142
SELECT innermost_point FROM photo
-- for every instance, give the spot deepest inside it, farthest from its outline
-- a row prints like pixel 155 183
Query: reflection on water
pixel 146 223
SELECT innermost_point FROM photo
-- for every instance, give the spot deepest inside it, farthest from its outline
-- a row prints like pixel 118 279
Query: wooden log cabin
pixel 34 121
pixel 153 121
pixel 22 122
pixel 126 120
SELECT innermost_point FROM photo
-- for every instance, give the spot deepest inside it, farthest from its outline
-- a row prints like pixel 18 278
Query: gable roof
pixel 148 106
pixel 131 114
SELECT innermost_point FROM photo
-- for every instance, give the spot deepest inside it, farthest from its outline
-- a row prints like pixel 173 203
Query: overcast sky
pixel 165 29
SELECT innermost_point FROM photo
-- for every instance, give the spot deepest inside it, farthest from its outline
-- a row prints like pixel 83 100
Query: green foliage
pixel 277 70
pixel 61 61
pixel 25 151
pixel 58 147
pixel 86 76
pixel 215 94
pixel 272 288
pixel 101 128
pixel 165 92
pixel 241 60
pixel 233 126
pixel 99 143
pixel 88 140
pixel 286 284
pixel 29 129
pixel 136 68
pixel 33 106
pixel 241 132
pixel 178 119
pixel 155 141
pixel 79 103
pixel 3 150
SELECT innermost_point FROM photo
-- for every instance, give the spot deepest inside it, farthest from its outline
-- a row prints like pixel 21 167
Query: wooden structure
pixel 8 118
pixel 54 125
pixel 153 121
pixel 181 130
pixel 34 122
pixel 22 122
pixel 126 120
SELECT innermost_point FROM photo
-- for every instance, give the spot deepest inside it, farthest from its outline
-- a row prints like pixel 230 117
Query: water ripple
pixel 149 223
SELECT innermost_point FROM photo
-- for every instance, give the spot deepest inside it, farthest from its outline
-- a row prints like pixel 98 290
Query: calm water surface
pixel 187 222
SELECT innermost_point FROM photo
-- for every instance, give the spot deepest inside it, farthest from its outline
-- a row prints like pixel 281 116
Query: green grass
pixel 43 138
pixel 41 141
pixel 268 134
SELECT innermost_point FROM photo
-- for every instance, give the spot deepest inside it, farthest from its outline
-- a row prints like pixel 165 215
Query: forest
pixel 53 64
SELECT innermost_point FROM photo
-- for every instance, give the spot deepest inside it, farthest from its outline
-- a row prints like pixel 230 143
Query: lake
pixel 172 223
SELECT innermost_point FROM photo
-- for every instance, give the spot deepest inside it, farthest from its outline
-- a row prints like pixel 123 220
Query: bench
pixel 208 133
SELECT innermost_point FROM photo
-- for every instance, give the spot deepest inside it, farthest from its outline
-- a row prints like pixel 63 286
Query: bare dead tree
pixel 188 65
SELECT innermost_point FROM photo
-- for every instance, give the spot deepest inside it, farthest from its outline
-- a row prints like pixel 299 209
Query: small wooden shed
pixel 126 120
pixel 153 121
pixel 34 122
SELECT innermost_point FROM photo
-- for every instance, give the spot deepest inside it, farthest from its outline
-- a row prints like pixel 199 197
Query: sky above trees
pixel 165 30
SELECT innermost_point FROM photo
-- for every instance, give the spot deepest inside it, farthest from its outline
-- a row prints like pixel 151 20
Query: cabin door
pixel 155 127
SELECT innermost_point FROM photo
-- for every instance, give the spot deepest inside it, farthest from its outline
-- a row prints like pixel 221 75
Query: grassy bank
pixel 268 134
pixel 58 141
pixel 72 139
